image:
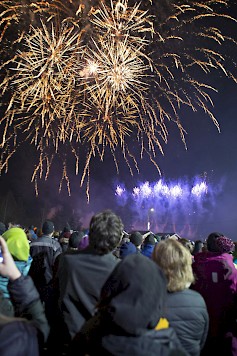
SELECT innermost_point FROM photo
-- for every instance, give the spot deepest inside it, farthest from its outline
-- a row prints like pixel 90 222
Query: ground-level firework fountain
pixel 174 206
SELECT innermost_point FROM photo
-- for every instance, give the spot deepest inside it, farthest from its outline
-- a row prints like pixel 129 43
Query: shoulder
pixel 46 242
pixel 187 297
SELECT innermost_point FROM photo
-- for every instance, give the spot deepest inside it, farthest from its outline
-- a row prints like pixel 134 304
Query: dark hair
pixel 66 228
pixel 211 244
pixel 75 238
pixel 105 232
pixel 150 240
pixel 48 227
pixel 186 243
pixel 198 246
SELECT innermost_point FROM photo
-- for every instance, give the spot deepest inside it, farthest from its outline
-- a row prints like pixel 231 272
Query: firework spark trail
pixel 45 78
pixel 44 81
pixel 99 73
pixel 121 21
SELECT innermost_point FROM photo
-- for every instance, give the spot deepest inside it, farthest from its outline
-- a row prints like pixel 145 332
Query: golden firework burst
pixel 99 73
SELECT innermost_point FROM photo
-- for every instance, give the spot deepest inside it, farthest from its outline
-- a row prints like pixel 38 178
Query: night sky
pixel 209 153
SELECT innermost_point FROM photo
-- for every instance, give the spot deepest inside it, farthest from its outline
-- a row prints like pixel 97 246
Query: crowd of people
pixel 108 292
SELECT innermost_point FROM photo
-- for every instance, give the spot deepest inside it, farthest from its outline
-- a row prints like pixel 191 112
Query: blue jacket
pixel 127 248
pixel 23 267
pixel 33 234
pixel 147 250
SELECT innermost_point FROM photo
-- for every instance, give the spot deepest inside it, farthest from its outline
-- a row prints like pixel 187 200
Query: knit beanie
pixel 150 240
pixel 136 238
pixel 224 244
pixel 17 243
pixel 75 239
pixel 48 227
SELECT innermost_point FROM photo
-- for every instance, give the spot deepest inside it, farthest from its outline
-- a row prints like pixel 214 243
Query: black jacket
pixel 44 251
pixel 19 336
pixel 93 340
pixel 80 278
pixel 130 307
pixel 187 314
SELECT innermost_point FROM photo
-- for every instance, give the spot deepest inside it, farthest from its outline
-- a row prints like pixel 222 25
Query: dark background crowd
pixel 104 291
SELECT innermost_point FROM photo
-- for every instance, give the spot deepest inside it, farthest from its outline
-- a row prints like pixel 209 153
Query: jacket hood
pixel 134 294
pixel 206 256
pixel 17 243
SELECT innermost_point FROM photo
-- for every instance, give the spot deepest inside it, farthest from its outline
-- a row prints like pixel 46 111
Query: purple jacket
pixel 216 281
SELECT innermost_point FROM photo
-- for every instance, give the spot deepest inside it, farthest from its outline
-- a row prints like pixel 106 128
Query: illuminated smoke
pixel 175 206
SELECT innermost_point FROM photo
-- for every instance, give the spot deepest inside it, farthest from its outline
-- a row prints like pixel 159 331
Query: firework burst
pixel 103 74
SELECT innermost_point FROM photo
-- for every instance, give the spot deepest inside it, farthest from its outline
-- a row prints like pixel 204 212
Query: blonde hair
pixel 176 262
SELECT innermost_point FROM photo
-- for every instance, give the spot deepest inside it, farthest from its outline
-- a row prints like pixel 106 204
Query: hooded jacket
pixel 216 281
pixel 19 248
pixel 131 305
pixel 19 336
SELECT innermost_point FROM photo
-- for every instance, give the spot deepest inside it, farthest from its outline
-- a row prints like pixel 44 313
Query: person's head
pixel 224 244
pixel 187 244
pixel 105 232
pixel 150 240
pixel 66 228
pixel 75 239
pixel 17 243
pixel 198 246
pixel 134 295
pixel 48 228
pixel 136 238
pixel 211 241
pixel 176 262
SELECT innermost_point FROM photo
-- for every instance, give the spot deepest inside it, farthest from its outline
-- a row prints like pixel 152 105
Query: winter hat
pixel 224 244
pixel 211 241
pixel 75 239
pixel 48 227
pixel 150 240
pixel 67 228
pixel 2 228
pixel 136 238
pixel 17 243
pixel 127 248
